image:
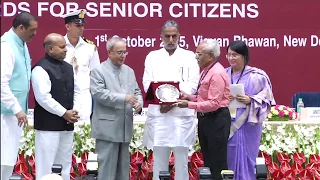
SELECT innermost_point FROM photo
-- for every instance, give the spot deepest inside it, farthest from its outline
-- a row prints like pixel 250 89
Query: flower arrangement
pixel 290 150
pixel 281 113
pixel 292 167
pixel 82 142
pixel 290 139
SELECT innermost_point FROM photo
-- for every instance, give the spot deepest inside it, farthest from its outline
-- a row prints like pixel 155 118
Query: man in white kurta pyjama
pixel 172 128
pixel 15 86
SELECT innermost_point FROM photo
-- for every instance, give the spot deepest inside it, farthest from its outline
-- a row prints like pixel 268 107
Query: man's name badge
pixel 233 112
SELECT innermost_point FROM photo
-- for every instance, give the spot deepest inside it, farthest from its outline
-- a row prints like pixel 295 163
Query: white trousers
pixel 53 147
pixel 10 141
pixel 161 161
pixel 83 104
pixel 6 172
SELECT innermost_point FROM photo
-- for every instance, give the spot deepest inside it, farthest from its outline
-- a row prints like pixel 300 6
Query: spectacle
pixel 232 56
pixel 200 54
pixel 122 53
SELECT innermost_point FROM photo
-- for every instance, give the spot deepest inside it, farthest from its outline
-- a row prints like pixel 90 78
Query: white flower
pixel 288 140
pixel 307 151
pixel 29 152
pixel 132 143
pixel 268 137
pixel 268 127
pixel 191 151
pixel 76 129
pixel 28 134
pixel 138 144
pixel 269 151
pixel 297 128
pixel 275 138
pixel 262 148
pixel 23 140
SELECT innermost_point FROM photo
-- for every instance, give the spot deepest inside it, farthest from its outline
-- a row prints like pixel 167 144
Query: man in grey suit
pixel 116 94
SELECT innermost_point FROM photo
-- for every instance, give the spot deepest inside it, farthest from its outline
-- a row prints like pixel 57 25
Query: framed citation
pixel 164 92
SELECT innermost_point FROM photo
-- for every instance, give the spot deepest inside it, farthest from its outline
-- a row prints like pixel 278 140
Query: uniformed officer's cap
pixel 76 17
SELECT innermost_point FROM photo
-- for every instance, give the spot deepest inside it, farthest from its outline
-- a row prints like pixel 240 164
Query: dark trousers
pixel 213 133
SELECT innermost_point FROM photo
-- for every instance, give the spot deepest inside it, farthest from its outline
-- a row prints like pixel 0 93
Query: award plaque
pixel 165 92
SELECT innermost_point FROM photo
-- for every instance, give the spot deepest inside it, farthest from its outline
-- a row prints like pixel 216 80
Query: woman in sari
pixel 246 124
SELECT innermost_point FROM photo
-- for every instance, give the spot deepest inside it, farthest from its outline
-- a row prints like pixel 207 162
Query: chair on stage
pixel 310 99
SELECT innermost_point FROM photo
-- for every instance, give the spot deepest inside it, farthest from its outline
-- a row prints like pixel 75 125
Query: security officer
pixel 82 54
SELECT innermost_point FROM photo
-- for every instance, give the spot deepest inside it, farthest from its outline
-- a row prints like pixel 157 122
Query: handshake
pixel 71 116
pixel 133 100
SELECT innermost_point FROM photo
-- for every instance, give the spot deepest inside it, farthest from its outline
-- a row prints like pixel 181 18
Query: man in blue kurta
pixel 15 86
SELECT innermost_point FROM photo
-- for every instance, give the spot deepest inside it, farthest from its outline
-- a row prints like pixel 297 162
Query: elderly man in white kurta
pixel 83 55
pixel 169 127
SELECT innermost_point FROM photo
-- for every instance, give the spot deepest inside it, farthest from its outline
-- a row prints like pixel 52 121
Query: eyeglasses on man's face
pixel 198 54
pixel 122 53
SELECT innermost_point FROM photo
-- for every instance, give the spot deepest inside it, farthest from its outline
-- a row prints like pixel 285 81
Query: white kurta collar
pixel 174 53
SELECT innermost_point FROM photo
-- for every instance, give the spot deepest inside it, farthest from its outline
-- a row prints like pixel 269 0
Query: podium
pixel 163 92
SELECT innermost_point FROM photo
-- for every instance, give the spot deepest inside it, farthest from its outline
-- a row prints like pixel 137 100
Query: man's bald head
pixel 55 46
pixel 51 38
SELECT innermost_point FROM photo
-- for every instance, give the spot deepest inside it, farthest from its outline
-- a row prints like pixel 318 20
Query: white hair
pixel 112 41
pixel 170 23
pixel 212 46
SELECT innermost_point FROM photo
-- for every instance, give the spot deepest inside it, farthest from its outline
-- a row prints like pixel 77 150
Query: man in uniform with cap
pixel 83 55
